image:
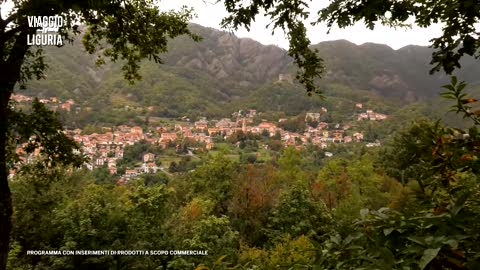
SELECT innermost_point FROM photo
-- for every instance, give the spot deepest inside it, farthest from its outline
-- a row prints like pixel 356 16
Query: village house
pixel 201 124
pixel 169 136
pixel 240 121
pixel 119 153
pixel 322 125
pixel 65 106
pixel 136 130
pixel 312 117
pixel 21 98
pixel 358 136
pixel 149 168
pixel 163 143
pixel 131 173
pixel 337 136
pixel 112 162
pixel 362 116
pixel 179 127
pixel 209 146
pixel 290 142
pixel 213 131
pixel 103 152
pixel 337 139
pixel 187 133
pixel 316 140
pixel 237 114
pixel 270 127
pixel 225 123
pixel 373 144
pixel 11 173
pixel 380 116
pixel 99 162
pixel 251 113
pixel 148 157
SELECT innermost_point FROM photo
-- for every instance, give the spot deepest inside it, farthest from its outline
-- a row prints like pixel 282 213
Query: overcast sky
pixel 210 15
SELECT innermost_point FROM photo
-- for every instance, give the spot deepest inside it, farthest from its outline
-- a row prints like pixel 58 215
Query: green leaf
pixel 388 231
pixel 459 204
pixel 351 237
pixel 336 239
pixel 461 86
pixel 364 213
pixel 447 95
pixel 451 242
pixel 417 240
pixel 219 260
pixel 387 256
pixel 428 256
pixel 449 87
pixel 454 80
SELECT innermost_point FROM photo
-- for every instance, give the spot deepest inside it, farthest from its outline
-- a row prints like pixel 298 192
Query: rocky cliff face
pixel 225 56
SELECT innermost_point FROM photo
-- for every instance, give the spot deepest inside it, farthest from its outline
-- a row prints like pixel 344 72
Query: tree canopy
pixel 132 30
pixel 118 30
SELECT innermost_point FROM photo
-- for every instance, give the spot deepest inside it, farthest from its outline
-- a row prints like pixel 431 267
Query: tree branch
pixel 15 59
pixel 11 33
pixel 10 19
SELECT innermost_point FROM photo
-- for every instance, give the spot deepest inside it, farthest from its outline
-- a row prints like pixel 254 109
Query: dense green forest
pixel 411 204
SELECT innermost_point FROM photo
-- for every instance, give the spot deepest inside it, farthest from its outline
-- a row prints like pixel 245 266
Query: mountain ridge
pixel 224 72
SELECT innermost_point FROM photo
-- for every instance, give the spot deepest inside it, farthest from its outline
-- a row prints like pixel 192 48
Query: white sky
pixel 210 14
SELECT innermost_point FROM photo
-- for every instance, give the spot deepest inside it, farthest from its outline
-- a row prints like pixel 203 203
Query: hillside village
pixel 107 148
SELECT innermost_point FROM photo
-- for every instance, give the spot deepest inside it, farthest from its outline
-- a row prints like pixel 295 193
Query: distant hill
pixel 402 73
pixel 223 73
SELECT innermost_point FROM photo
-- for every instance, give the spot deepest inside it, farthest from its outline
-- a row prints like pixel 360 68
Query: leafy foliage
pixel 288 16
pixel 41 129
pixel 126 30
pixel 459 36
pixel 443 162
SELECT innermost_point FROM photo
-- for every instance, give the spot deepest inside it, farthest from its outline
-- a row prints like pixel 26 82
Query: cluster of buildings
pixel 369 114
pixel 53 102
pixel 105 149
